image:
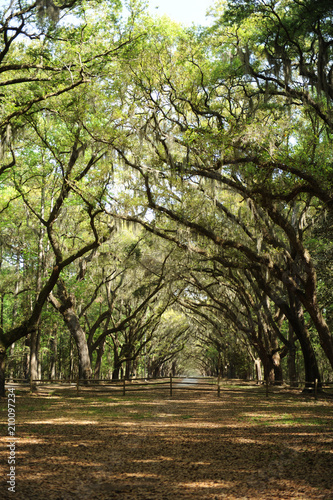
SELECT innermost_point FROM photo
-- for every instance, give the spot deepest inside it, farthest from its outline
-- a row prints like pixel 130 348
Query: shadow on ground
pixel 151 447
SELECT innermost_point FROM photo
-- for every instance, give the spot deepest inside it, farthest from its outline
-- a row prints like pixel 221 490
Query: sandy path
pixel 193 446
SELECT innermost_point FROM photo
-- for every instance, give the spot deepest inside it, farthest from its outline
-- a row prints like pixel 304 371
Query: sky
pixel 182 11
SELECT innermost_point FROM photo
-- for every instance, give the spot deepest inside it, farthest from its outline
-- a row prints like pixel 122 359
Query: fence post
pixel 170 384
pixel 124 386
pixel 219 363
pixel 316 389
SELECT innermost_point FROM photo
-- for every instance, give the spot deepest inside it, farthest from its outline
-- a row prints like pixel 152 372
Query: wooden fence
pixel 171 384
pixel 124 386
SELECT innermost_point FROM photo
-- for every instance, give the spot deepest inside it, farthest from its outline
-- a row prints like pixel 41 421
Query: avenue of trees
pixel 166 193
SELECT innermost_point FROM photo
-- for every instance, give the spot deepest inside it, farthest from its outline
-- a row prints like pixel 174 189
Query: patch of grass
pixel 103 412
pixel 36 406
pixel 260 420
pixel 285 419
pixel 140 416
pixel 305 421
pixel 253 408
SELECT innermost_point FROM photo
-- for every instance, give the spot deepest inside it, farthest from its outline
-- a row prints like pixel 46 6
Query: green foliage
pixel 181 177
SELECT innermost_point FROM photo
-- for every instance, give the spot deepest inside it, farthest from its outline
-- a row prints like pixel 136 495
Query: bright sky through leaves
pixel 183 11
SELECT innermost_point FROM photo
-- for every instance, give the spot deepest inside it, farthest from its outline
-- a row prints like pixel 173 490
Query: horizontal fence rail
pixel 164 383
pixel 171 384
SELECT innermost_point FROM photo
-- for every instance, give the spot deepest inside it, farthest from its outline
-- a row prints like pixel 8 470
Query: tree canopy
pixel 166 191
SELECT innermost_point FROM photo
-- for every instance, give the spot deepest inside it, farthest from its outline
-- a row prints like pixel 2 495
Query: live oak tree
pixel 290 57
pixel 172 334
pixel 51 218
pixel 230 297
pixel 56 59
pixel 209 126
pixel 217 141
pixel 125 303
pixel 28 73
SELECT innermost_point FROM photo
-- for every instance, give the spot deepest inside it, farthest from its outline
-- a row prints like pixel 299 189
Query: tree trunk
pixel 265 357
pixel 307 294
pixel 310 365
pixel 294 313
pixel 12 365
pixel 26 358
pixel 98 364
pixel 53 357
pixel 109 362
pixel 14 313
pixel 71 359
pixel 325 337
pixel 128 365
pixel 2 371
pixel 278 375
pixel 258 371
pixel 1 311
pixel 116 361
pixel 292 372
pixel 269 373
pixel 34 359
pixel 35 368
pixel 66 309
pixel 309 356
pixel 79 336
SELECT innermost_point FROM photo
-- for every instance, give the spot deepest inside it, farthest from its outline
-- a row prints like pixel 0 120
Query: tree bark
pixel 66 309
pixel 292 372
pixel 53 357
pixel 34 359
pixel 325 337
pixel 294 313
pixel 310 362
pixel 278 375
pixel 116 360
pixel 257 366
pixel 73 324
pixel 35 336
pixel 2 371
pixel 98 363
pixel 128 365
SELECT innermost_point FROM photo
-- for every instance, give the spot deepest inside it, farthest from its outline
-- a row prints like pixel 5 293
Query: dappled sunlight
pixel 150 460
pixel 138 474
pixel 207 484
pixel 193 446
pixel 242 440
pixel 62 421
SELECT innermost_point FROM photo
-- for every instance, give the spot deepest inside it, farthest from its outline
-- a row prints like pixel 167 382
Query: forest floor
pixel 150 446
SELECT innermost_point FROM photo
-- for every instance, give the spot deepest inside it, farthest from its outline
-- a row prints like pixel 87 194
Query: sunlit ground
pixel 191 446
